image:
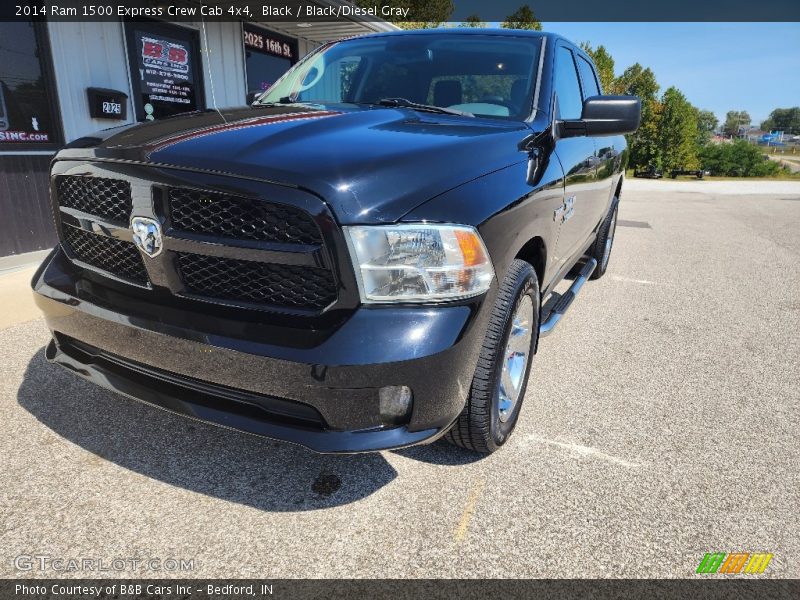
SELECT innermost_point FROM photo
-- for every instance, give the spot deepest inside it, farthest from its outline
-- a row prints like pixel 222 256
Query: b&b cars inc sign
pixel 165 70
pixel 23 127
pixel 10 133
pixel 24 136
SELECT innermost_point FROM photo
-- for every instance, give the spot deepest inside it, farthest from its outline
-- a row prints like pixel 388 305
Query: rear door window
pixel 568 90
pixel 590 87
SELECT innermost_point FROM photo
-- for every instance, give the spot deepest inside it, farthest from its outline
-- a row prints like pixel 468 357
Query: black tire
pixel 599 251
pixel 479 427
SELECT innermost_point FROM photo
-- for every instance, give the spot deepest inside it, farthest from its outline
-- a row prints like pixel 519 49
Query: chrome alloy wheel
pixel 609 239
pixel 515 358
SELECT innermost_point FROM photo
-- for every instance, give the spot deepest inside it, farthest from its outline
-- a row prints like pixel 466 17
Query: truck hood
pixel 370 164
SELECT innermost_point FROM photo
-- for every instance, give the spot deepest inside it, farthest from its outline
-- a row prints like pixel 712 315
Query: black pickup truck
pixel 359 259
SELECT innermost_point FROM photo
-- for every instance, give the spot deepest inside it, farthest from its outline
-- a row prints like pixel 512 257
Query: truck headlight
pixel 419 262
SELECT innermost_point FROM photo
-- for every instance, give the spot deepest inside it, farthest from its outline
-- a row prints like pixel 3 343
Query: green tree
pixel 427 14
pixel 522 18
pixel 638 81
pixel 783 119
pixel 605 66
pixel 734 121
pixel 706 125
pixel 678 132
pixel 473 21
pixel 645 147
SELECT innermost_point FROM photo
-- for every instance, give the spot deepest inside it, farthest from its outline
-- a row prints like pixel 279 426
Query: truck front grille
pixel 218 247
pixel 117 257
pixel 253 282
pixel 235 217
pixel 99 196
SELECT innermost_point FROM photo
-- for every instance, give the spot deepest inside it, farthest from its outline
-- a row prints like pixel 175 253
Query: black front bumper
pixel 322 396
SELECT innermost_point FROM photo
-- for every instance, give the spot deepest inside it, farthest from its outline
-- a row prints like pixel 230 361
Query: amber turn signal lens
pixel 471 247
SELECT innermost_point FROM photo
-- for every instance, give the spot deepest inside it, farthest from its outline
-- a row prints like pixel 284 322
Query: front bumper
pixel 324 396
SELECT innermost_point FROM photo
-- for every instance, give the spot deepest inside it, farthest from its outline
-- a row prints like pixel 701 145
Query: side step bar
pixel 563 304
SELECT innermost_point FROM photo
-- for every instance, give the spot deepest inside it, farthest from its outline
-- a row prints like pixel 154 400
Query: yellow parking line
pixel 469 508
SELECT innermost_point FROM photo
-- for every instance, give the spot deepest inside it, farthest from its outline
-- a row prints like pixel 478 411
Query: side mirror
pixel 605 115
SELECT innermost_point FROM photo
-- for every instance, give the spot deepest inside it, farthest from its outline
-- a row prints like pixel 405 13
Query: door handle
pixel 564 212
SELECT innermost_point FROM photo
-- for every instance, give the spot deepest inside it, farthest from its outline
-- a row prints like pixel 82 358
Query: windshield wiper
pixel 404 102
pixel 280 102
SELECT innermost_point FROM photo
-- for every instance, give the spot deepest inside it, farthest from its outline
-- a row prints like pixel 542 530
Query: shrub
pixel 738 159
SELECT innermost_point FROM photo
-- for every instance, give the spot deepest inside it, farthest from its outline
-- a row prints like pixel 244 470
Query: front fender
pixel 507 210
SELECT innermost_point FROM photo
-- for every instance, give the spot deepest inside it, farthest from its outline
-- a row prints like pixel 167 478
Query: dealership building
pixel 61 80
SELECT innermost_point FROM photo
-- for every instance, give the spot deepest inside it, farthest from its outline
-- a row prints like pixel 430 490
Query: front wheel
pixel 601 250
pixel 504 365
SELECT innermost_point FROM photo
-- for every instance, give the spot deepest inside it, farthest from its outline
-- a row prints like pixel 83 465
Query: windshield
pixel 485 75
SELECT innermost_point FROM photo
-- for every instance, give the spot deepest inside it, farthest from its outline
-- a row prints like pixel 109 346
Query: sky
pixel 718 66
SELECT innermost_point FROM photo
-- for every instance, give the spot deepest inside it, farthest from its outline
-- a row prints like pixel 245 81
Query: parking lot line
pixel 584 451
pixel 469 509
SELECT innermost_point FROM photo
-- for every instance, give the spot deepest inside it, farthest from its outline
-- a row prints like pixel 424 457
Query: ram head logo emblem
pixel 147 235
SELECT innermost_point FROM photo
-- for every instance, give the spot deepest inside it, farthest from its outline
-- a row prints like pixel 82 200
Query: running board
pixel 563 304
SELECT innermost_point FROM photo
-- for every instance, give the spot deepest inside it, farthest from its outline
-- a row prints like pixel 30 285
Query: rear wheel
pixel 601 251
pixel 504 365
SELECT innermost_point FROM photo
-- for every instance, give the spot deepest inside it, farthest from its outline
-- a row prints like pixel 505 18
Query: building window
pixel 267 57
pixel 28 117
pixel 166 70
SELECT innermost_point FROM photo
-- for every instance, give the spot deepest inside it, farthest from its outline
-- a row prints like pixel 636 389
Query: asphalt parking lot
pixel 661 424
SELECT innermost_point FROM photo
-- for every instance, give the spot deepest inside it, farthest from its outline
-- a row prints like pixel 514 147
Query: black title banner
pixel 309 11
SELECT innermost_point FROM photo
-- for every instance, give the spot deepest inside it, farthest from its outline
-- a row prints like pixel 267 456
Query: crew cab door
pixel 583 195
pixel 598 193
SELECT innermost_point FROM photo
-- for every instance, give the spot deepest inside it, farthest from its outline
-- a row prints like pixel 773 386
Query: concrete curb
pixel 22 261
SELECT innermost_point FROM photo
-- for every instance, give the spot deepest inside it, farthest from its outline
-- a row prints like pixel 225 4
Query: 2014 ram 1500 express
pixel 356 261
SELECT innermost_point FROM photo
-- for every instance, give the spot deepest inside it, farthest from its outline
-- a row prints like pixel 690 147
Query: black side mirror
pixel 605 115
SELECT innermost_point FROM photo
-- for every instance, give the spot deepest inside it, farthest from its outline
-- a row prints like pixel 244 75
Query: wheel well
pixel 534 252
